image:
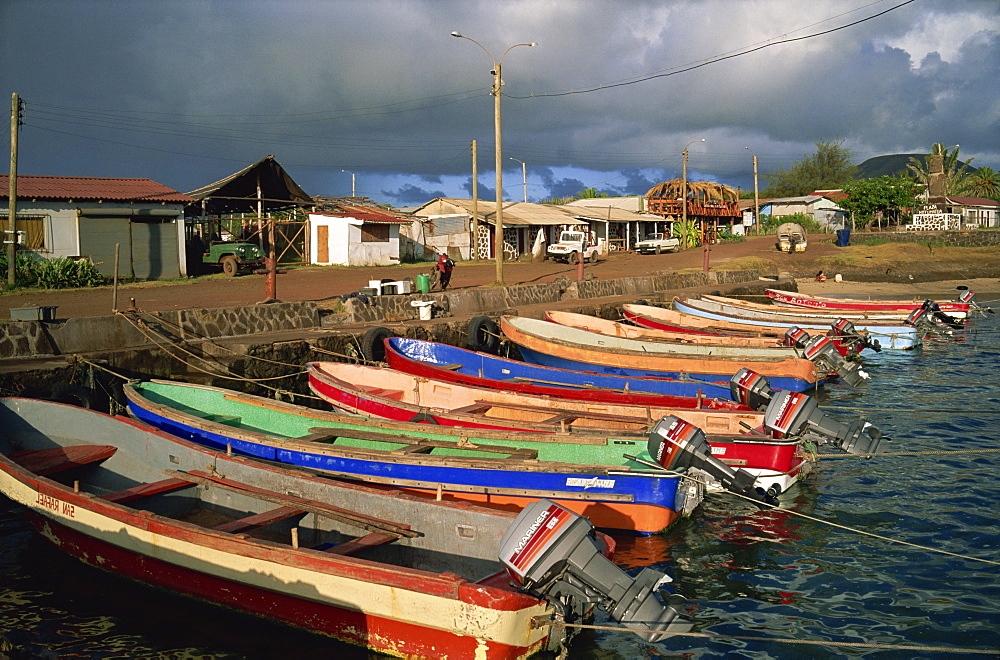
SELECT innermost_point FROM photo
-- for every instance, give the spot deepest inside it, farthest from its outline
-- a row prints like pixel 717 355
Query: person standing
pixel 445 265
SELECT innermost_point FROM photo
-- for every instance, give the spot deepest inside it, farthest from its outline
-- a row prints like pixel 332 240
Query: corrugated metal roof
pixel 72 188
pixel 367 215
pixel 973 201
pixel 515 214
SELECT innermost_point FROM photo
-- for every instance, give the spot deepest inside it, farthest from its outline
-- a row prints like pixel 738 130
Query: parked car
pixel 570 244
pixel 657 243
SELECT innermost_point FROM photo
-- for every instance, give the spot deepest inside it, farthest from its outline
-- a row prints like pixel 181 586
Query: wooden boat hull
pixel 451 466
pixel 953 308
pixel 450 363
pixel 898 337
pixel 395 395
pixel 661 318
pixel 391 608
pixel 876 316
pixel 569 348
pixel 729 347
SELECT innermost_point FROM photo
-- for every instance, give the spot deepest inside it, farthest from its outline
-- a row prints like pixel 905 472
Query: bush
pixel 31 271
pixel 770 223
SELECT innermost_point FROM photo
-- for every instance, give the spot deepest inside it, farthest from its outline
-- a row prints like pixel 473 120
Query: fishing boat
pixel 890 335
pixel 382 392
pixel 554 345
pixel 880 316
pixel 451 363
pixel 819 350
pixel 958 309
pixel 586 472
pixel 397 574
pixel 848 341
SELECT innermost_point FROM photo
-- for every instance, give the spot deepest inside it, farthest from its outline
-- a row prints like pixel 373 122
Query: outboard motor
pixel 796 336
pixel 823 352
pixel 675 444
pixel 970 297
pixel 795 413
pixel 552 552
pixel 921 320
pixel 844 328
pixel 751 389
pixel 800 415
pixel 940 317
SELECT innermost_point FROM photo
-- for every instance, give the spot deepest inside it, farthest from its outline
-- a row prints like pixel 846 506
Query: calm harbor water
pixel 756 581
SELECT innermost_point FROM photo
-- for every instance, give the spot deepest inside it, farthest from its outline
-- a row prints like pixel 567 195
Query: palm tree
pixel 953 170
pixel 590 193
pixel 984 182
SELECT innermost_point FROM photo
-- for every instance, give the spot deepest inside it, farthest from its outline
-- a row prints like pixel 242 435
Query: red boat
pixel 958 309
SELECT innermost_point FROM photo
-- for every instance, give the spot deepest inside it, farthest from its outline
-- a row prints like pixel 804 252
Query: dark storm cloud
pixel 189 92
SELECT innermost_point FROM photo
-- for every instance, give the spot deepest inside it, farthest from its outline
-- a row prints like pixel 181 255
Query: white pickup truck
pixel 657 243
pixel 570 244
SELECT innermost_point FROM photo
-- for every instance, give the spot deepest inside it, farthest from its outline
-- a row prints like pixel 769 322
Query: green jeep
pixel 233 257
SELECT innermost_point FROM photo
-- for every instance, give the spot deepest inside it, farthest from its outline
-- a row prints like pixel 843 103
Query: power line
pixel 712 60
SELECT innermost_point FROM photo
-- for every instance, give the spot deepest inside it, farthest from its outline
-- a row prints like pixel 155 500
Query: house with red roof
pixel 354 233
pixel 86 217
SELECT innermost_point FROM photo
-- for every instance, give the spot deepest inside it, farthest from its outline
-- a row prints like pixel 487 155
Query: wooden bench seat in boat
pixel 415 444
pixel 259 520
pixel 561 414
pixel 145 490
pixel 45 462
pixel 355 546
pixel 396 395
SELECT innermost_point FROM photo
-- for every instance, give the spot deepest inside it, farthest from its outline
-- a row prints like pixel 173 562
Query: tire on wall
pixel 74 395
pixel 483 334
pixel 372 343
pixel 423 418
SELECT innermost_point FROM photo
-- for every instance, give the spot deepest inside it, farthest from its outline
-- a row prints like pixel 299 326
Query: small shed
pixel 75 217
pixel 350 234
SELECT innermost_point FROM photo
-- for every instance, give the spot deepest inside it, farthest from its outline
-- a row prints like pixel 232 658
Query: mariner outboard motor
pixel 939 316
pixel 552 552
pixel 970 297
pixel 822 351
pixel 675 444
pixel 793 413
pixel 796 336
pixel 845 330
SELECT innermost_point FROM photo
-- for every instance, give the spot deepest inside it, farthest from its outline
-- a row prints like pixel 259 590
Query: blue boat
pixel 443 362
pixel 563 347
pixel 583 472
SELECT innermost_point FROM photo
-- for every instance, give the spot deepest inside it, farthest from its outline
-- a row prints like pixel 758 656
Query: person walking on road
pixel 444 266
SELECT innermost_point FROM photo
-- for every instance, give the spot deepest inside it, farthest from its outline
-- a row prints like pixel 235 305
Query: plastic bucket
pixel 423 283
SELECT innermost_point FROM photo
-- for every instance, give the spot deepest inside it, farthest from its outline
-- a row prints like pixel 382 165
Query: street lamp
pixel 497 83
pixel 524 178
pixel 352 182
pixel 756 200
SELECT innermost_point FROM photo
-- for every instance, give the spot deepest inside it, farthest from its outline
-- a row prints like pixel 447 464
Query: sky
pixel 186 92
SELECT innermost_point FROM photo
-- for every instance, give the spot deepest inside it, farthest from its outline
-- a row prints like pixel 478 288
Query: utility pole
pixel 11 236
pixel 474 248
pixel 497 84
pixel 756 200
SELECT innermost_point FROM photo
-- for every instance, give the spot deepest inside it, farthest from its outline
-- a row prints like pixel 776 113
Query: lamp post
pixel 352 182
pixel 524 178
pixel 497 83
pixel 756 200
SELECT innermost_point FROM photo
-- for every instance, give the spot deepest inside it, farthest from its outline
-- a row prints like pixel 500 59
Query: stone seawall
pixel 972 238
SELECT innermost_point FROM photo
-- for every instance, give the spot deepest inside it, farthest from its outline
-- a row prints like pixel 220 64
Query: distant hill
pixel 889 165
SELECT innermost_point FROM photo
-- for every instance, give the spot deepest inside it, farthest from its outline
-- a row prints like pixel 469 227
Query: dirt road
pixel 326 284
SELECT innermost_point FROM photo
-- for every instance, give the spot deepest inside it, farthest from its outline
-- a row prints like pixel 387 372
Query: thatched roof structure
pixel 674 189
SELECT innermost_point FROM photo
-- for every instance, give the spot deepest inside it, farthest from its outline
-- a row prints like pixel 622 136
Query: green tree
pixel 984 182
pixel 885 198
pixel 590 193
pixel 830 168
pixel 953 170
